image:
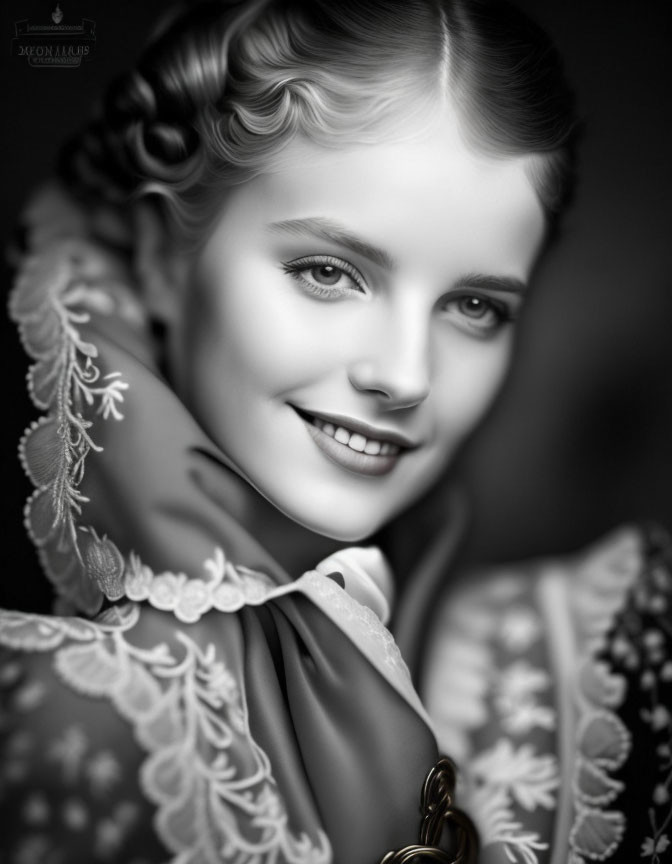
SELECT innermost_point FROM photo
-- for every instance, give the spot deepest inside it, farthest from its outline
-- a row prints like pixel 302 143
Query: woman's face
pixel 351 317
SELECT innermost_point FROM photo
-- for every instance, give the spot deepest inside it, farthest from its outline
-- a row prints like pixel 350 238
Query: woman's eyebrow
pixel 328 229
pixel 508 284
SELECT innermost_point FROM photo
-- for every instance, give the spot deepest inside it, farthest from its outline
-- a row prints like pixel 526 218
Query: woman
pixel 273 292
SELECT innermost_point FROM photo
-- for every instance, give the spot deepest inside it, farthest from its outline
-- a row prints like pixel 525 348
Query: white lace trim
pixel 228 587
pixel 54 294
pixel 462 676
pixel 595 593
pixel 212 784
pixel 594 590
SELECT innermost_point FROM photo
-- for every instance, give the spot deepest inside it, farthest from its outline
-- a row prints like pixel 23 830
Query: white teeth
pixel 342 435
pixel 356 441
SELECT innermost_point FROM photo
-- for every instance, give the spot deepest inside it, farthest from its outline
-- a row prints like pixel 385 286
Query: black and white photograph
pixel 337 437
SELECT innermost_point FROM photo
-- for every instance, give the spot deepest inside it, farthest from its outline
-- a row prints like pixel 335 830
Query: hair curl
pixel 226 85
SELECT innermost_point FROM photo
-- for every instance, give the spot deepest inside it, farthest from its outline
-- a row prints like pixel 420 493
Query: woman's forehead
pixel 434 195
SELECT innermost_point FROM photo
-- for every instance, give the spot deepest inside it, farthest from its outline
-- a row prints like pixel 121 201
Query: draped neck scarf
pixel 315 747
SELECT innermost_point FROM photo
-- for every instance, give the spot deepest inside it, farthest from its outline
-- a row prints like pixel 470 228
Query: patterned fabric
pixel 209 707
pixel 551 683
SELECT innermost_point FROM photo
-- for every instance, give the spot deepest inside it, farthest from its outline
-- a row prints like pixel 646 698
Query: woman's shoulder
pixel 102 727
pixel 551 682
pixel 70 770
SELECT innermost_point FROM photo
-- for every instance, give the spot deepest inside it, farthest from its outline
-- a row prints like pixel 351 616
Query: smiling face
pixel 351 317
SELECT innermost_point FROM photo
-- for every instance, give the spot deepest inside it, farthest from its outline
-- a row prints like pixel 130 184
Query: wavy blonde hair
pixel 224 87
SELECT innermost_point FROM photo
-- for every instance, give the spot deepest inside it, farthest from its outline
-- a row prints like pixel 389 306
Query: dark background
pixel 581 438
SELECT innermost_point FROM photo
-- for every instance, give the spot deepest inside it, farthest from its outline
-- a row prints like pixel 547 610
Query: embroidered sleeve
pixel 637 655
pixel 191 783
pixel 68 774
pixel 552 683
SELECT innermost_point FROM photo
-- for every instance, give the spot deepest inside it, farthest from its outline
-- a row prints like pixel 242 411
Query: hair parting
pixel 225 86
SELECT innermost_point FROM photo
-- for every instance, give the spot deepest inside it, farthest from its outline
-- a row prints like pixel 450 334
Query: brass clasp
pixel 438 810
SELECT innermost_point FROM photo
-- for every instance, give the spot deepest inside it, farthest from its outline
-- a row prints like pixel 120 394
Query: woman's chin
pixel 346 526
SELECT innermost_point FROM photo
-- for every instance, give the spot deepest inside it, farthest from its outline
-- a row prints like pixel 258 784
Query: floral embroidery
pixel 528 778
pixel 103 772
pixel 74 814
pixel 36 810
pixel 498 826
pixel 189 713
pixel 642 644
pixel 481 625
pixel 69 751
pixel 653 848
pixel 53 296
pixel 516 699
pixel 520 628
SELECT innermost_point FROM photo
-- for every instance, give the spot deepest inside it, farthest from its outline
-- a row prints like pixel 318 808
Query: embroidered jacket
pixel 551 684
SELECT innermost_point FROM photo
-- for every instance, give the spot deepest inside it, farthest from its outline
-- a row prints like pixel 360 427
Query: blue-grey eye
pixel 474 307
pixel 326 274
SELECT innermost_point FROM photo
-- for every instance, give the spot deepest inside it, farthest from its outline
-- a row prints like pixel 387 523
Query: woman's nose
pixel 395 364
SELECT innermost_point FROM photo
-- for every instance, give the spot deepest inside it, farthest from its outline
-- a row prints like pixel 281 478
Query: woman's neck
pixel 294 547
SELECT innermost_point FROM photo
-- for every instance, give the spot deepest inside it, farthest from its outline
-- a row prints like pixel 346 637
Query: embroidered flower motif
pixel 227 588
pixel 74 814
pixel 531 779
pixel 228 598
pixel 195 599
pixel 109 838
pixel 69 750
pixel 36 810
pixel 653 848
pixel 661 794
pixel 622 648
pixel 222 682
pixel 103 772
pixel 491 810
pixel 164 591
pixel 520 680
pixel 10 673
pixel 516 698
pixel 112 396
pixel 29 696
pixel 658 718
pixel 520 627
pixel 657 604
pixel 661 578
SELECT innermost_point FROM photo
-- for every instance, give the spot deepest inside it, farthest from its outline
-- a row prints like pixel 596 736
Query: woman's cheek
pixel 468 377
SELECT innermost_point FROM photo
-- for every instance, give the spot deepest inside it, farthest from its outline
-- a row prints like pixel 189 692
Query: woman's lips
pixel 352 449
